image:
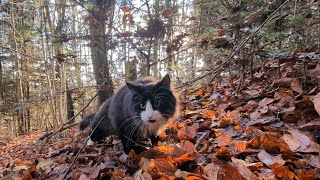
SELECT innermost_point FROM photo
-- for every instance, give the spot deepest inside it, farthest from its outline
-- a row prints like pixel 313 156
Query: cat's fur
pixel 138 110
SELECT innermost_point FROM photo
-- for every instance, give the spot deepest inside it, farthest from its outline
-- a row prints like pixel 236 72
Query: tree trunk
pixel 99 50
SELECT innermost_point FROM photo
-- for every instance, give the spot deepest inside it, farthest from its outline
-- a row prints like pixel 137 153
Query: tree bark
pixel 99 49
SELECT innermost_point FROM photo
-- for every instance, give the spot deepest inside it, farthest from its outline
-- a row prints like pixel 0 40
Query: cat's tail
pixel 86 122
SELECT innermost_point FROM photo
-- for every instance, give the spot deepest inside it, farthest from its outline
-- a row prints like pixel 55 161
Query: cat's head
pixel 154 102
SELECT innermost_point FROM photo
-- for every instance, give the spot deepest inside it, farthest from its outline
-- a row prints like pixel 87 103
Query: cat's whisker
pixel 133 130
pixel 131 123
pixel 127 121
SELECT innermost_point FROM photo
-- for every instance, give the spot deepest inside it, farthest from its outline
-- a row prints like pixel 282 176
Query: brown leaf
pixel 225 122
pixel 314 124
pixel 292 82
pixel 265 101
pixel 210 171
pixel 84 177
pixel 304 140
pixel 230 172
pixel 268 159
pixel 265 173
pixel 223 140
pixel 31 169
pixel 182 160
pixel 240 146
pixel 270 143
pixel 253 92
pixel 182 174
pixel 313 160
pixel 296 86
pixel 164 166
pixel 292 142
pixel 142 175
pixel 243 170
pixel 188 146
pixel 306 175
pixel 223 153
pixel 282 171
pixel 316 103
pixel 188 132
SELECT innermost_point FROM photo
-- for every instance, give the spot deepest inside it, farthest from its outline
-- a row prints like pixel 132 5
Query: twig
pixel 49 135
pixel 201 138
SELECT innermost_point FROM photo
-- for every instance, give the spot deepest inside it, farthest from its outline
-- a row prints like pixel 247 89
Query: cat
pixel 137 111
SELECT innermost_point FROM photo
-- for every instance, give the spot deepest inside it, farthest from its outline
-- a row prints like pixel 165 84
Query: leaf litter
pixel 270 130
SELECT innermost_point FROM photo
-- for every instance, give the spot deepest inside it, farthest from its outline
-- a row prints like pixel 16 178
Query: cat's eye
pixel 157 104
pixel 142 106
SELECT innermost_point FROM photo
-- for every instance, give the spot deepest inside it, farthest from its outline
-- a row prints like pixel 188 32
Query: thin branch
pixel 241 44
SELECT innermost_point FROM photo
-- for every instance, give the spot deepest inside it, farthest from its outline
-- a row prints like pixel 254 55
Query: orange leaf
pixel 307 175
pixel 237 127
pixel 163 134
pixel 225 122
pixel 165 149
pixel 240 146
pixel 125 9
pixel 223 152
pixel 270 143
pixel 209 114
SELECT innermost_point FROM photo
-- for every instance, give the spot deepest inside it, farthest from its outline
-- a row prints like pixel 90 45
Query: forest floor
pixel 270 130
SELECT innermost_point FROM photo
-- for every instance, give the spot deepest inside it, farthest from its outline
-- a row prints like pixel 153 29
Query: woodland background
pixel 55 54
pixel 247 73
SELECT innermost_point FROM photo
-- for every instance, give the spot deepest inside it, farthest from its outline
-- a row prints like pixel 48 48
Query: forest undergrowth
pixel 270 130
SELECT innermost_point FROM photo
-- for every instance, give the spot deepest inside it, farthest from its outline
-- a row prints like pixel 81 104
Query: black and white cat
pixel 139 110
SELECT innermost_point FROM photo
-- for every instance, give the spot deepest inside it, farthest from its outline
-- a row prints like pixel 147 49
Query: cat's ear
pixel 133 88
pixel 165 81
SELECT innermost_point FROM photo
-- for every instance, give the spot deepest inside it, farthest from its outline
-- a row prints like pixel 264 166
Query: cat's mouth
pixel 152 121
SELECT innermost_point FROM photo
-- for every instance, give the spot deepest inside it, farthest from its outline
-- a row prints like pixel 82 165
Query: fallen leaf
pixel 230 172
pixel 316 103
pixel 225 122
pixel 188 132
pixel 270 143
pixel 182 174
pixel 268 159
pixel 84 177
pixel 296 86
pixel 210 171
pixel 240 146
pixel 223 140
pixel 265 101
pixel 142 175
pixel 307 175
pixel 265 173
pixel 292 142
pixel 282 171
pixel 188 146
pixel 253 92
pixel 313 160
pixel 243 170
pixel 304 140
